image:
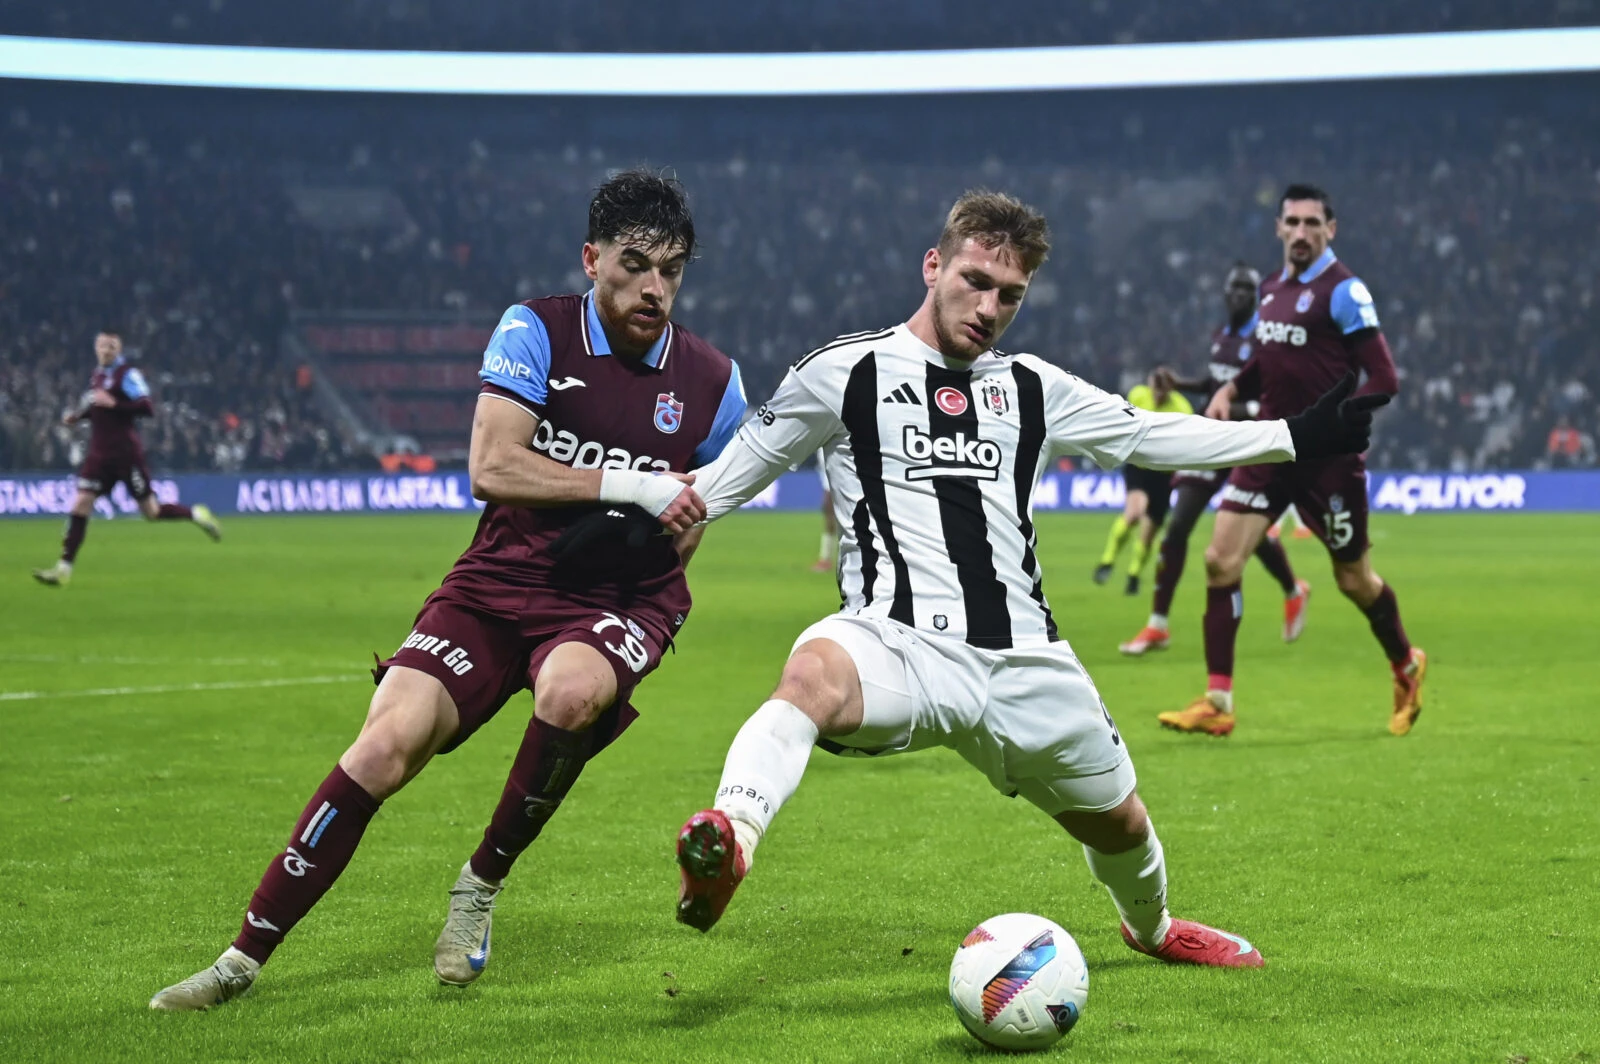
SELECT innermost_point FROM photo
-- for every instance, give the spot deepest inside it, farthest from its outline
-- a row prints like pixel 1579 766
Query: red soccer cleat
pixel 1294 611
pixel 712 866
pixel 1190 943
pixel 1147 640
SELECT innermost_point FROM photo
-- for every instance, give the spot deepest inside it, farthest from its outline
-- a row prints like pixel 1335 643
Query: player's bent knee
pixel 574 686
pixel 1114 830
pixel 815 679
pixel 410 717
pixel 1222 567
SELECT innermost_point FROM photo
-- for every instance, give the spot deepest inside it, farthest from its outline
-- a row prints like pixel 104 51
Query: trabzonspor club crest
pixel 1303 304
pixel 669 413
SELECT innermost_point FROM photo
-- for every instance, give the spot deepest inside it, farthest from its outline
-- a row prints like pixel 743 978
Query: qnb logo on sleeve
pixel 495 362
pixel 951 456
pixel 565 447
pixel 1280 332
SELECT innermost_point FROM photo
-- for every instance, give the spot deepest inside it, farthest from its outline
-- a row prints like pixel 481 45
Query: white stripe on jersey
pixel 933 462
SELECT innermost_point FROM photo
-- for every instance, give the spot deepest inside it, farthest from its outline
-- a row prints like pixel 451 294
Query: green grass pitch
pixel 1432 898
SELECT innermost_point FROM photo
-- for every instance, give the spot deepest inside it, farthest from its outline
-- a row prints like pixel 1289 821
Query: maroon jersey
pixel 1230 351
pixel 1305 337
pixel 112 433
pixel 673 410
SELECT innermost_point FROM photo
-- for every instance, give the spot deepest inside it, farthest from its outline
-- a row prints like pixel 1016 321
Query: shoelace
pixel 468 901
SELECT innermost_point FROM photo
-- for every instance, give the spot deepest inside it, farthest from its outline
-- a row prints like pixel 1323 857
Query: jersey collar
pixel 939 358
pixel 1312 272
pixel 594 336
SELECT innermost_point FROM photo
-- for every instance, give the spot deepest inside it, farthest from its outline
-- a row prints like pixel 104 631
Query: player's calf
pixel 230 977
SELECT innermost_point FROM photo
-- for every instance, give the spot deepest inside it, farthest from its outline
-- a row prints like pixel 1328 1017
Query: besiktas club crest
pixel 669 413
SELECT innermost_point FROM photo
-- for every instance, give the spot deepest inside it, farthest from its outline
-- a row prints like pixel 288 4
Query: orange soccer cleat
pixel 1294 611
pixel 1408 692
pixel 1190 943
pixel 1204 714
pixel 1148 639
pixel 712 866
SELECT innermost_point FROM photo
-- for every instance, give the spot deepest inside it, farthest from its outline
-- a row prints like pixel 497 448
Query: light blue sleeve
pixel 134 386
pixel 729 416
pixel 1352 307
pixel 518 356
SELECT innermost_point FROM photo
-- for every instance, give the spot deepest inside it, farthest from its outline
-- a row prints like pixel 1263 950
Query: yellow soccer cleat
pixel 1201 715
pixel 1408 692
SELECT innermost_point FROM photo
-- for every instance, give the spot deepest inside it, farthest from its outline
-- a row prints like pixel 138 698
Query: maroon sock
pixel 77 528
pixel 1169 570
pixel 546 766
pixel 1271 554
pixel 171 511
pixel 322 843
pixel 1224 607
pixel 1384 616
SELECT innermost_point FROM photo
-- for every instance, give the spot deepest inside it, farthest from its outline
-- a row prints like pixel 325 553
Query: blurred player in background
pixel 584 401
pixel 944 637
pixel 1316 323
pixel 118 396
pixel 1148 492
pixel 1230 353
pixel 828 548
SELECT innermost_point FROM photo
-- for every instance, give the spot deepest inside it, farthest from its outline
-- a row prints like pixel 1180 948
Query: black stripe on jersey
pixel 859 412
pixel 966 529
pixel 869 552
pixel 1030 445
pixel 840 341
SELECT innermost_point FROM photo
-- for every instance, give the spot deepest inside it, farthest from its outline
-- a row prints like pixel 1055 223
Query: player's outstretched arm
pixel 790 426
pixel 503 469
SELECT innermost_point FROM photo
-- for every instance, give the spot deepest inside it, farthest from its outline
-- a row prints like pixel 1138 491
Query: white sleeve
pixel 1187 441
pixel 1109 430
pixel 792 424
pixel 1083 420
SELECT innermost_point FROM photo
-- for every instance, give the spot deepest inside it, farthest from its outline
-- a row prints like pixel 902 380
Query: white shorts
pixel 1028 718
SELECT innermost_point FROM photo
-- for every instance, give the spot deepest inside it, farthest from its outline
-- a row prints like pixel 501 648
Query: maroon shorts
pixel 1330 497
pixel 100 474
pixel 483 660
pixel 1209 480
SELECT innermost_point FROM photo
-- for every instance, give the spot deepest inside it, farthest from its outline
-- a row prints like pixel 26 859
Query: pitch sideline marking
pixel 174 688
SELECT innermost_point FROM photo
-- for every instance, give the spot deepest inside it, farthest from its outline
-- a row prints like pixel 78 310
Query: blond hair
pixel 996 220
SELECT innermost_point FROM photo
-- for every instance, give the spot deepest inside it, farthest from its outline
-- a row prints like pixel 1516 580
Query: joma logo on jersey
pixel 951 456
pixel 563 446
pixel 1280 332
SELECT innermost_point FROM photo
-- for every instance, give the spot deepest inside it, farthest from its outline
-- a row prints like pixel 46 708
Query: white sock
pixel 1137 882
pixel 1157 621
pixel 830 543
pixel 763 768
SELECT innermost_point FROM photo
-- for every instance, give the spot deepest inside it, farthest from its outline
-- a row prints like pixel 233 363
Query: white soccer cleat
pixel 462 952
pixel 201 515
pixel 231 976
pixel 58 575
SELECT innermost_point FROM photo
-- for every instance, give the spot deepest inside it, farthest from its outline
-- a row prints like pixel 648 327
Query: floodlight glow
pixel 1422 55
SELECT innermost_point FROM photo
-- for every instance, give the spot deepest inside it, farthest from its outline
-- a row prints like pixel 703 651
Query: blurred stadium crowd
pixel 202 224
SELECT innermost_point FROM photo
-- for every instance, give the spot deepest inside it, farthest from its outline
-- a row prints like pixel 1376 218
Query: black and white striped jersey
pixel 933 462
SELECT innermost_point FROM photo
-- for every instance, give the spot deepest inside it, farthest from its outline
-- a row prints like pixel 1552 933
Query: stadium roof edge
pixel 1424 55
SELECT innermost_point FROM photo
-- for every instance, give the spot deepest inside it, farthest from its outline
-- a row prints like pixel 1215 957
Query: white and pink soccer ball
pixel 1018 981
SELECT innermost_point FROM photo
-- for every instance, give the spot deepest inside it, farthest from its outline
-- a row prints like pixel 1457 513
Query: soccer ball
pixel 1018 981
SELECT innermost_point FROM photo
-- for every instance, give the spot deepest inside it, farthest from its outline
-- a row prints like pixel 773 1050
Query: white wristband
pixel 651 491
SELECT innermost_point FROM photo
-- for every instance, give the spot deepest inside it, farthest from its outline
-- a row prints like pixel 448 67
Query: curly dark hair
pixel 645 204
